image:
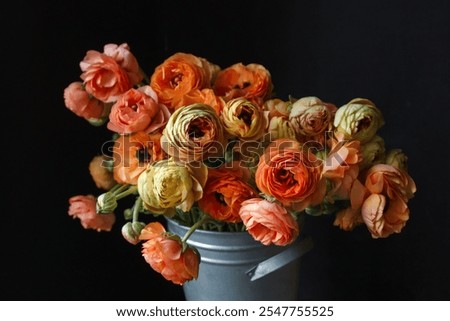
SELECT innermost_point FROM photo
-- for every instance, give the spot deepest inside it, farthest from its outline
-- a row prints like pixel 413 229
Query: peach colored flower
pixel 179 74
pixel 268 222
pixel 138 110
pixel 192 133
pixel 102 176
pixel 223 194
pixel 132 153
pixel 310 118
pixel 277 107
pixel 165 254
pixel 292 175
pixel 109 74
pixel 204 96
pixel 252 82
pixel 243 119
pixel 84 208
pixel 79 102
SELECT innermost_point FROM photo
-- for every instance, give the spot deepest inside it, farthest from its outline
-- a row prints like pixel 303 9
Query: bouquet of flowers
pixel 214 148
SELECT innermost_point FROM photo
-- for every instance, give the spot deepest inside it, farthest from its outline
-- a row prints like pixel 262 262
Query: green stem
pixel 130 190
pixel 115 188
pixel 204 219
pixel 136 208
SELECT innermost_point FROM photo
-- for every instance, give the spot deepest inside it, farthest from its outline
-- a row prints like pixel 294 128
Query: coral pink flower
pixel 78 101
pixel 164 252
pixel 138 110
pixel 109 74
pixel 268 222
pixel 84 208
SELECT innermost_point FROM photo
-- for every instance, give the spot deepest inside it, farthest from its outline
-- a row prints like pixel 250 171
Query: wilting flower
pixel 291 175
pixel 373 152
pixel 109 74
pixel 252 82
pixel 223 194
pixel 138 110
pixel 267 222
pixel 102 176
pixel 83 207
pixel 132 153
pixel 180 74
pixel 397 158
pixel 81 103
pixel 243 119
pixel 359 119
pixel 310 118
pixel 192 133
pixel 166 184
pixel 166 255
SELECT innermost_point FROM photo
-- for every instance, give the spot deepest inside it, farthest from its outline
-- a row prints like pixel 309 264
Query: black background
pixel 393 52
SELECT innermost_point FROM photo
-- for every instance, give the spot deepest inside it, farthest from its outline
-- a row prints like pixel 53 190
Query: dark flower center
pixel 220 198
pixel 143 156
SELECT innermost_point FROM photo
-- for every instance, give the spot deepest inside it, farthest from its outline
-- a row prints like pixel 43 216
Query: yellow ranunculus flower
pixel 280 127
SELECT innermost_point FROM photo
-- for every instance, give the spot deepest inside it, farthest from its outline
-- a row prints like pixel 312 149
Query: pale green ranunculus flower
pixel 373 152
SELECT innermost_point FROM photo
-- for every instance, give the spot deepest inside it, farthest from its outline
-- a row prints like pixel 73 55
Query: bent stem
pixel 130 190
pixel 136 208
pixel 202 221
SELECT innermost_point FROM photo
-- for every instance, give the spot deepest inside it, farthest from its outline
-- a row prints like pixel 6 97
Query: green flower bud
pixel 131 231
pixel 106 203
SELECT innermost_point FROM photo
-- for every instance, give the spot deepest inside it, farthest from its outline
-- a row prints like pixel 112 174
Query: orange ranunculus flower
pixel 291 175
pixel 84 208
pixel 223 194
pixel 109 74
pixel 132 153
pixel 193 133
pixel 204 96
pixel 179 74
pixel 138 110
pixel 252 82
pixel 310 118
pixel 102 176
pixel 381 216
pixel 267 222
pixel 164 252
pixel 79 102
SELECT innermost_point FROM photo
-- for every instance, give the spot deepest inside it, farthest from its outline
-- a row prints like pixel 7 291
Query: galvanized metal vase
pixel 234 266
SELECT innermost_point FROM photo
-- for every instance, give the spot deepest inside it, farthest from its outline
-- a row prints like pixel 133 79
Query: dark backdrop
pixel 393 52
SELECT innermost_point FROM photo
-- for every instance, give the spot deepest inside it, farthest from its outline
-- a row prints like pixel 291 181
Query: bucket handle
pixel 279 260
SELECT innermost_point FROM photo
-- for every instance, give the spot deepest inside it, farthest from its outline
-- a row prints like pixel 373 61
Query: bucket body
pixel 226 258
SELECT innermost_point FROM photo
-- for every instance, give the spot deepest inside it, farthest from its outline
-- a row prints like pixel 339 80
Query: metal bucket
pixel 234 266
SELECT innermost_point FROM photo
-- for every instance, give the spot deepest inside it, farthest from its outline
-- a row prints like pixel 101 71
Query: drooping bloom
pixel 180 74
pixel 243 119
pixel 192 133
pixel 167 184
pixel 290 174
pixel 138 110
pixel 165 254
pixel 109 74
pixel 102 176
pixel 223 194
pixel 132 153
pixel 83 207
pixel 268 222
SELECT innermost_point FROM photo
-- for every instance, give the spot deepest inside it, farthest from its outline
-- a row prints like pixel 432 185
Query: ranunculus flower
pixel 268 222
pixel 358 119
pixel 223 194
pixel 192 133
pixel 83 207
pixel 138 110
pixel 291 175
pixel 280 127
pixel 102 176
pixel 310 118
pixel 277 107
pixel 131 231
pixel 397 158
pixel 167 184
pixel 179 74
pixel 132 153
pixel 244 119
pixel 373 152
pixel 109 74
pixel 79 102
pixel 252 82
pixel 204 96
pixel 165 254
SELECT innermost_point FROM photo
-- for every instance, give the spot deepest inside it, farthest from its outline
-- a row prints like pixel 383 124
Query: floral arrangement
pixel 214 148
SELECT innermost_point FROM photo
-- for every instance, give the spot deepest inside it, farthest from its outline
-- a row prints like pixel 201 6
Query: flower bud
pixel 106 203
pixel 131 231
pixel 396 157
pixel 373 152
